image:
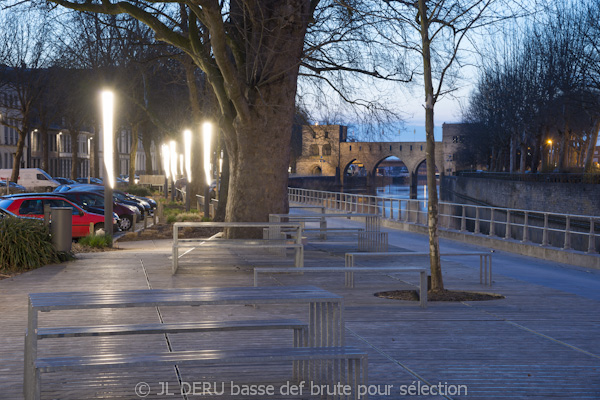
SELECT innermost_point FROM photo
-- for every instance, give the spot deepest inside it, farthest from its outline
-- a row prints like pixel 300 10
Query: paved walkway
pixel 542 341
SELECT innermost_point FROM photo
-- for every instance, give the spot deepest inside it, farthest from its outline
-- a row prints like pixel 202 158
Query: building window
pixel 326 135
pixel 327 150
pixel 400 147
pixel 314 150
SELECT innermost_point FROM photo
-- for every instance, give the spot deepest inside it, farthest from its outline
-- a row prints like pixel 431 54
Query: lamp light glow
pixel 173 147
pixel 207 138
pixel 181 170
pixel 108 101
pixel 187 142
pixel 165 158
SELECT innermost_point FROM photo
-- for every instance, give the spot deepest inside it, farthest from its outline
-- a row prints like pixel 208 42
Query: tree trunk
pixel 537 154
pixel 133 153
pixel 147 145
pixel 223 188
pixel 257 185
pixel 513 153
pixel 589 155
pixel 437 283
pixel 18 156
pixel 74 150
pixel 523 160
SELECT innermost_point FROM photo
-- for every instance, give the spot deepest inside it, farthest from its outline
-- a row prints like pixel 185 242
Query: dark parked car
pixel 118 196
pixel 13 187
pixel 95 201
pixel 93 181
pixel 64 181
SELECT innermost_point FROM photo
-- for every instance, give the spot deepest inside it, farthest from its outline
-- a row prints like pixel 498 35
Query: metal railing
pixel 566 231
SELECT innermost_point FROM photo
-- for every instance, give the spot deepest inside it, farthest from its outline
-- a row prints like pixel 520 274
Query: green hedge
pixel 139 191
pixel 25 244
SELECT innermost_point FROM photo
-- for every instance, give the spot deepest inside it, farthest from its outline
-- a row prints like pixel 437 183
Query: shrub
pixel 99 241
pixel 25 244
pixel 188 217
pixel 171 219
pixel 139 190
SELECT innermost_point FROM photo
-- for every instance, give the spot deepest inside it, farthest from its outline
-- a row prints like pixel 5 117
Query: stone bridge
pixel 326 152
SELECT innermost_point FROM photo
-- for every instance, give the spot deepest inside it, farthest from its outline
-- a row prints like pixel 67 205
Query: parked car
pixel 92 181
pixel 32 205
pixel 64 181
pixel 13 188
pixel 31 178
pixel 95 201
pixel 118 196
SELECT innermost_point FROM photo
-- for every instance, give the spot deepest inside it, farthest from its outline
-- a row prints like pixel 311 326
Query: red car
pixel 32 205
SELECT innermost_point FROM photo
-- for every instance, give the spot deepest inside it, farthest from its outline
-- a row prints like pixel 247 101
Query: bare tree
pixel 438 30
pixel 24 53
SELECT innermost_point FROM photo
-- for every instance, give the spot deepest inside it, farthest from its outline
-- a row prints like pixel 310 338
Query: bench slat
pixel 198 357
pixel 136 329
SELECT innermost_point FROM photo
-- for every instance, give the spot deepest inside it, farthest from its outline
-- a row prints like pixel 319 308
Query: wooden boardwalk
pixel 537 343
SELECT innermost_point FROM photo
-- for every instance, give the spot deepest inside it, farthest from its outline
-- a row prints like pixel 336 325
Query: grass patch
pixel 96 241
pixel 26 244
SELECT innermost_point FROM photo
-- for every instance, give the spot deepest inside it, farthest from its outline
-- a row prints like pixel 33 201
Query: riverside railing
pixel 566 231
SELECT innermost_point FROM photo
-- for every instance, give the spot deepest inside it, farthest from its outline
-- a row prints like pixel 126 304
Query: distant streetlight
pixel 108 104
pixel 58 153
pixel 89 159
pixel 207 129
pixel 173 158
pixel 165 159
pixel 187 144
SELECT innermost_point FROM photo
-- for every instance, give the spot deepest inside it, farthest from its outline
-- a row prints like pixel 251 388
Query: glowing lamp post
pixel 58 153
pixel 89 160
pixel 207 138
pixel 108 103
pixel 173 158
pixel 165 159
pixel 187 144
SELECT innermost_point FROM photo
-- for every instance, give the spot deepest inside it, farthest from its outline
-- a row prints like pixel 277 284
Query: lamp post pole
pixel 166 167
pixel 207 137
pixel 58 166
pixel 173 158
pixel 107 118
pixel 187 144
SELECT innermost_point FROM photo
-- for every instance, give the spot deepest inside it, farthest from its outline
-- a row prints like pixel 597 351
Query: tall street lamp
pixel 165 159
pixel 89 159
pixel 108 101
pixel 187 144
pixel 58 154
pixel 207 129
pixel 173 158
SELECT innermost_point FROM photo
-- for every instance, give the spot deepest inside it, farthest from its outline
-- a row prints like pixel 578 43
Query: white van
pixel 34 179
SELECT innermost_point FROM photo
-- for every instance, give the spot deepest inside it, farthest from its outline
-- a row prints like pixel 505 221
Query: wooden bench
pixel 325 327
pixel 349 275
pixel 485 260
pixel 272 240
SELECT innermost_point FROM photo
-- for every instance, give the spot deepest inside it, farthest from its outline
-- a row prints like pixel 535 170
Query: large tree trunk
pixel 147 146
pixel 133 153
pixel 257 185
pixel 437 283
